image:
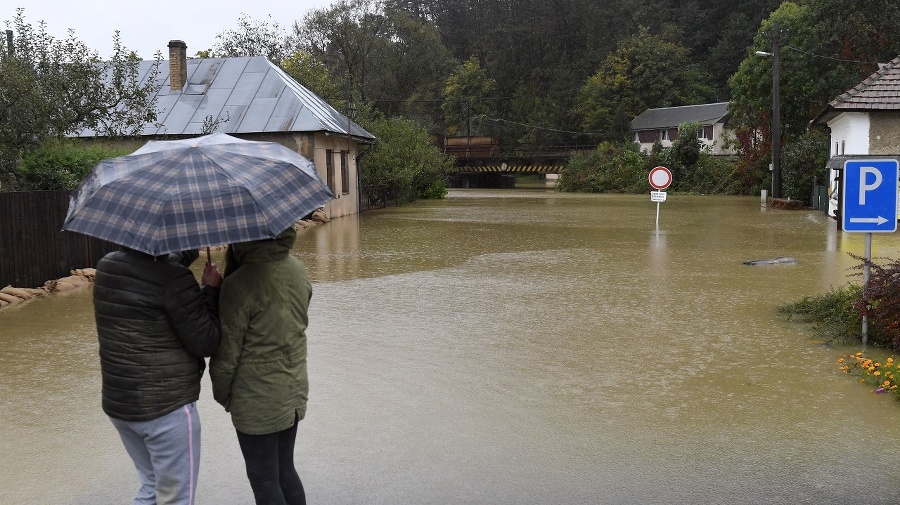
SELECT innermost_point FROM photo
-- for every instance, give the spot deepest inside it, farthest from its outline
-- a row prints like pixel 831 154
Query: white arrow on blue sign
pixel 869 201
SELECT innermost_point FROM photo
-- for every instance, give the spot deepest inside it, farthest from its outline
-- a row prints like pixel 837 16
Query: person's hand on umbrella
pixel 211 276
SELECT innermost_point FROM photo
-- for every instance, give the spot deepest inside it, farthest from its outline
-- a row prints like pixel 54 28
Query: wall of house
pixel 316 147
pixel 849 134
pixel 884 133
pixel 646 139
pixel 719 137
pixel 344 203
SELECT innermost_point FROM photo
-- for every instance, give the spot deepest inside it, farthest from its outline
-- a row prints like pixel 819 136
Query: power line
pixel 829 57
pixel 499 120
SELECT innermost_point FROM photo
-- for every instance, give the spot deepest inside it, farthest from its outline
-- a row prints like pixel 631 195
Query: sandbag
pixel 9 299
pixel 18 292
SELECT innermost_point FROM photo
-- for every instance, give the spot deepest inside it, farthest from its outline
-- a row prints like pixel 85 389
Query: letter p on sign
pixel 864 185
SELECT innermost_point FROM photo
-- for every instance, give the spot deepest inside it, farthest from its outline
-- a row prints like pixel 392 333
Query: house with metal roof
pixel 864 122
pixel 251 98
pixel 662 124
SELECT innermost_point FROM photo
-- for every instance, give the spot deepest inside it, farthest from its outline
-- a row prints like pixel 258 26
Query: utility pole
pixel 776 109
pixel 776 115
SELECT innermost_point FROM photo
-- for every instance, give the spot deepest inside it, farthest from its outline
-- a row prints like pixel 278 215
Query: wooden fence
pixel 33 249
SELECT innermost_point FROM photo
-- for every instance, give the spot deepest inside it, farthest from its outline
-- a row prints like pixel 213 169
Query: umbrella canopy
pixel 178 195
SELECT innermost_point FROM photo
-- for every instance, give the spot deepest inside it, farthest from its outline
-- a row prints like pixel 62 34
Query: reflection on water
pixel 515 347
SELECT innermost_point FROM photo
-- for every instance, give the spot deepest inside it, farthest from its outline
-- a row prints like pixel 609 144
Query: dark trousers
pixel 270 467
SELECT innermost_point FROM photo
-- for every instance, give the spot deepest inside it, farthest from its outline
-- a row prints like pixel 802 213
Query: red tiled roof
pixel 880 91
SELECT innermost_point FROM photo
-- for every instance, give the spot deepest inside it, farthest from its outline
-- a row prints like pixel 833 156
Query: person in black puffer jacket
pixel 155 326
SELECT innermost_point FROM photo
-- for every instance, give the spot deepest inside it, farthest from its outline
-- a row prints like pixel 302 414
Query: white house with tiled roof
pixel 864 122
pixel 253 99
pixel 662 124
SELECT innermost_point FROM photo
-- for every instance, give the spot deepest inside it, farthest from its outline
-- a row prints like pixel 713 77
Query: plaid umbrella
pixel 186 194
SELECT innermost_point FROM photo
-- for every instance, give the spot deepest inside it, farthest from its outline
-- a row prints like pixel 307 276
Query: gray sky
pixel 146 27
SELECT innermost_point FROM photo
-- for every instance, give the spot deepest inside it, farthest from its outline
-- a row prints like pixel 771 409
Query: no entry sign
pixel 660 177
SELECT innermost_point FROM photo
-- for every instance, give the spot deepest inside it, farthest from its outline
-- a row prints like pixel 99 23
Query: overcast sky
pixel 146 26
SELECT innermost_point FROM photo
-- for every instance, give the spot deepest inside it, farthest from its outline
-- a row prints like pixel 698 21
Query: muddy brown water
pixel 514 347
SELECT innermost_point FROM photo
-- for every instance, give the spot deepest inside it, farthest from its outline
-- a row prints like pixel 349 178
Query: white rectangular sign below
pixel 657 196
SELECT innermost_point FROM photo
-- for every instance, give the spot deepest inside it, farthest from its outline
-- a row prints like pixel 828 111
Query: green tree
pixel 465 95
pixel 645 71
pixel 803 164
pixel 384 56
pixel 412 66
pixel 685 150
pixel 313 74
pixel 54 88
pixel 251 38
pixel 404 165
pixel 345 36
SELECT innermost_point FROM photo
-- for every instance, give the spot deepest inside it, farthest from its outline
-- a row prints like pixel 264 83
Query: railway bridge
pixel 481 161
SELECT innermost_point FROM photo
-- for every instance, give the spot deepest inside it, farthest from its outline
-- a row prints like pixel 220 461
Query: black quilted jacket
pixel 155 326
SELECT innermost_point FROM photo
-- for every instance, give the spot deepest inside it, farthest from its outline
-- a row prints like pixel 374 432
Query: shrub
pixel 611 168
pixel 61 164
pixel 880 301
pixel 803 163
pixel 834 315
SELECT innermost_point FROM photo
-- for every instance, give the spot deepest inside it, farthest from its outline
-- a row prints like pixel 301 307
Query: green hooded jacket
pixel 259 372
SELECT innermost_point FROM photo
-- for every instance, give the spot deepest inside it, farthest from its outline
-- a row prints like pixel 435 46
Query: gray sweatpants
pixel 166 454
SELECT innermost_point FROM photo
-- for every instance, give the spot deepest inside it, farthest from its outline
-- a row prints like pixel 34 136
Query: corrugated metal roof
pixel 706 114
pixel 255 95
pixel 880 91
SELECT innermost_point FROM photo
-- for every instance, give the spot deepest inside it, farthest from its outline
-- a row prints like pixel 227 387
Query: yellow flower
pixel 841 360
pixel 877 374
pixel 871 368
pixel 877 364
pixel 890 360
pixel 886 383
pixel 893 387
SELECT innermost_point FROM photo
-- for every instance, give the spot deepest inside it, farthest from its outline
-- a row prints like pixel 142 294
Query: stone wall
pixel 884 132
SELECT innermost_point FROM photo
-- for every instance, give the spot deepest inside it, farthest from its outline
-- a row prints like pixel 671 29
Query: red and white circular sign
pixel 660 177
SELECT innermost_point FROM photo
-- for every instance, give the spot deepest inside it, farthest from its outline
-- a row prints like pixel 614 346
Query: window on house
pixel 664 135
pixel 701 133
pixel 329 169
pixel 345 172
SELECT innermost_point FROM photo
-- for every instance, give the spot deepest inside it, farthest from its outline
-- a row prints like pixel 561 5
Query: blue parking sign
pixel 869 201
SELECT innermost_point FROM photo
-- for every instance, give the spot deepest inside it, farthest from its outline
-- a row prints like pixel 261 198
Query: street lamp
pixel 776 113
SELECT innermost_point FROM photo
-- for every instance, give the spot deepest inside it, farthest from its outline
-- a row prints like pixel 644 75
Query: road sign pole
pixel 657 214
pixel 866 270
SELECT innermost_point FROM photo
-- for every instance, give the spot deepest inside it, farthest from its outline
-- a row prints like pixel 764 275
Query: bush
pixel 880 301
pixel 834 316
pixel 711 175
pixel 803 163
pixel 611 168
pixel 403 165
pixel 62 164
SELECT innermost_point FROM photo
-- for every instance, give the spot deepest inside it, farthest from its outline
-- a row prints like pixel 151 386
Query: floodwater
pixel 515 347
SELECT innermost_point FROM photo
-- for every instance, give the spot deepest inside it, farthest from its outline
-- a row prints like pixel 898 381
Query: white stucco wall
pixel 849 133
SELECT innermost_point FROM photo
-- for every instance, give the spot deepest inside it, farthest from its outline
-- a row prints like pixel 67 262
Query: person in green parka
pixel 259 371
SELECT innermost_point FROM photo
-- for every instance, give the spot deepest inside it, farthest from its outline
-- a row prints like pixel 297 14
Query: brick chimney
pixel 177 65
